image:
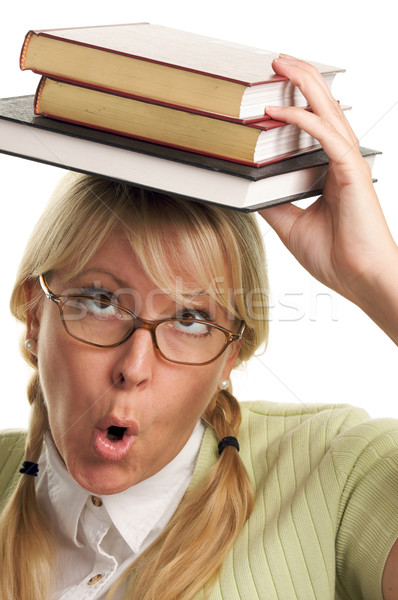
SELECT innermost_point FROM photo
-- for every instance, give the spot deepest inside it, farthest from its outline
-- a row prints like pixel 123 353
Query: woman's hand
pixel 342 239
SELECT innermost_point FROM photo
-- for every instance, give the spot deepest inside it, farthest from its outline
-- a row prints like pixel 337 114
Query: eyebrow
pixel 189 295
pixel 86 272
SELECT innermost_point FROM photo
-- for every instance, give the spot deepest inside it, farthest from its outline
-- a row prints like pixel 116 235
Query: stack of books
pixel 165 109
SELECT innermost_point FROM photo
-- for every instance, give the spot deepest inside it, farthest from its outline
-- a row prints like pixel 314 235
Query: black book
pixel 157 167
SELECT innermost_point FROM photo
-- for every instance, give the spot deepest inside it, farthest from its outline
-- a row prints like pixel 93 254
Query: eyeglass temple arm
pixel 238 335
pixel 44 286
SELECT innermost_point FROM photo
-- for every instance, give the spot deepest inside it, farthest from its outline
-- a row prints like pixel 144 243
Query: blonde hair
pixel 163 231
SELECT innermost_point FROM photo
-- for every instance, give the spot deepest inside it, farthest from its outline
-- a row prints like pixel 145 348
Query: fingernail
pixel 285 59
pixel 271 109
pixel 287 56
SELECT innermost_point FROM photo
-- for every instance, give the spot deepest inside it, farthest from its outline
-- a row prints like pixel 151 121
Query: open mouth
pixel 115 434
pixel 113 437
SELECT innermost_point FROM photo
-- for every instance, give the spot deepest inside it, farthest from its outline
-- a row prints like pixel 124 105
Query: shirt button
pixel 95 579
pixel 96 501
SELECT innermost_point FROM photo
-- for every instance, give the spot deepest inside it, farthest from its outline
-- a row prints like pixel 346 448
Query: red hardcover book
pixel 254 144
pixel 165 65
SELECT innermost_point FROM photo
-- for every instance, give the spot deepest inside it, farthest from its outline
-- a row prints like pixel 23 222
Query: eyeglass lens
pixel 189 341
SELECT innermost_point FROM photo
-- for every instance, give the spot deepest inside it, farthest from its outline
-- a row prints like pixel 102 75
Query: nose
pixel 134 360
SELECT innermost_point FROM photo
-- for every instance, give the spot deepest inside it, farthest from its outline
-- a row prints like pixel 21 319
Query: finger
pixel 340 150
pixel 312 85
pixel 333 107
pixel 282 218
pixel 304 65
pixel 305 76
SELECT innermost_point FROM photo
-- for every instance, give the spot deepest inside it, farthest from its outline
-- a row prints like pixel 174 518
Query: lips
pixel 114 437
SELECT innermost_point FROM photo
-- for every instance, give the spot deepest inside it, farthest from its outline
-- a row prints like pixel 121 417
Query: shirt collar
pixel 135 512
pixel 67 498
pixel 150 504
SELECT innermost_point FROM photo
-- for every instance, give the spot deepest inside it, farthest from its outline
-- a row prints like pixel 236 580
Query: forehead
pixel 116 258
pixel 116 267
pixel 180 266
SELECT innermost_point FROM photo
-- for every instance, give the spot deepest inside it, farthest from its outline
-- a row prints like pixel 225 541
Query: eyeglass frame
pixel 61 299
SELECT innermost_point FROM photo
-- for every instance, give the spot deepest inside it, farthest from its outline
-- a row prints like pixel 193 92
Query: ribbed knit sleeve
pixel 326 504
pixel 369 507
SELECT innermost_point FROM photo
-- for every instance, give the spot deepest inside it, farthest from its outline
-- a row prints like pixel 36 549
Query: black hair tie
pixel 228 441
pixel 29 468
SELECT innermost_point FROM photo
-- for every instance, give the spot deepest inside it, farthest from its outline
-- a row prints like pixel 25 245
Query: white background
pixel 321 349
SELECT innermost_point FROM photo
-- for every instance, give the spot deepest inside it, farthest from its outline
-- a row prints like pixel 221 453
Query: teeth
pixel 115 433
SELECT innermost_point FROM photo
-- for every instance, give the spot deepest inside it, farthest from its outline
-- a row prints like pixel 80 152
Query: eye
pixel 97 303
pixel 98 307
pixel 192 327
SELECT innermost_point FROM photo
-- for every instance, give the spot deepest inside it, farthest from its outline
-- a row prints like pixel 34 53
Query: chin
pixel 103 480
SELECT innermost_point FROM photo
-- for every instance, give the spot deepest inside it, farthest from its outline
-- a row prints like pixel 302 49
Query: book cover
pixel 254 143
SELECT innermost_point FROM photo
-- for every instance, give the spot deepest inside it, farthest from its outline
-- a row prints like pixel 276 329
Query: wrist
pixel 377 294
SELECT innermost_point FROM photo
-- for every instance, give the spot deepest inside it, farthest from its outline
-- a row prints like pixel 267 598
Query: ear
pixel 33 312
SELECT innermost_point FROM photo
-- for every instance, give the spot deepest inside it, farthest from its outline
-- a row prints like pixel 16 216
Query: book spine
pixel 24 50
pixel 38 94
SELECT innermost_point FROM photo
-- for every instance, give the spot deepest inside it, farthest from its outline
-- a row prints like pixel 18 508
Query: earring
pixel 30 345
pixel 224 384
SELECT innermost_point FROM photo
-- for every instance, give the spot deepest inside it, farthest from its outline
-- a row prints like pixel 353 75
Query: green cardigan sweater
pixel 326 509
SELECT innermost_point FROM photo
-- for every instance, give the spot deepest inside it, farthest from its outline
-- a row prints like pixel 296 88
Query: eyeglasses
pixel 100 322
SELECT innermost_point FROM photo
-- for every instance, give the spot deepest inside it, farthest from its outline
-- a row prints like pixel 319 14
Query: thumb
pixel 281 218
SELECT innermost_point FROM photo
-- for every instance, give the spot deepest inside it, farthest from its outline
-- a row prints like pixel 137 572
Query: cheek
pixel 50 362
pixel 58 389
pixel 63 370
pixel 54 359
pixel 189 393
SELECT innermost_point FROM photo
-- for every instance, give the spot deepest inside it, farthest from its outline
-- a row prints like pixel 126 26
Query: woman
pixel 137 307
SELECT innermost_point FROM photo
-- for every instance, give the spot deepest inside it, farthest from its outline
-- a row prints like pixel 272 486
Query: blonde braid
pixel 24 532
pixel 191 550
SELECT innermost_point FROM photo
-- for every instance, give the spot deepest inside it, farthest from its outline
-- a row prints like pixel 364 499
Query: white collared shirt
pixel 99 537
